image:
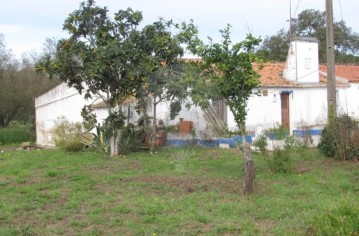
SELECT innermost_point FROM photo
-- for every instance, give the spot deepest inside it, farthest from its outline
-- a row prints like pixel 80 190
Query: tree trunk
pixel 114 140
pixel 154 126
pixel 249 170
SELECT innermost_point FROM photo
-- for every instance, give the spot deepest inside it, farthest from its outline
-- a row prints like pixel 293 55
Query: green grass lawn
pixel 173 192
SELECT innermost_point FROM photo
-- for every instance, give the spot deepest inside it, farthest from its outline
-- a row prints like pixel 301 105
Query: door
pixel 284 99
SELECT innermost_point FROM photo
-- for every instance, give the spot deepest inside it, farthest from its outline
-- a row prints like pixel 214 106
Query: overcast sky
pixel 26 24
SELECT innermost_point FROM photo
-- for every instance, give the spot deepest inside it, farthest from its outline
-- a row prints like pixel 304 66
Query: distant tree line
pixel 20 85
pixel 312 23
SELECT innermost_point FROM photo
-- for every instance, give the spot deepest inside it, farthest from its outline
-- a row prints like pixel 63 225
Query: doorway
pixel 284 99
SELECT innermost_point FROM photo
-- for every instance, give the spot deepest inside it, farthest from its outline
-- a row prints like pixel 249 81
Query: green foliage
pixel 227 67
pixel 19 85
pixel 131 139
pixel 341 218
pixel 281 161
pixel 97 141
pixel 89 117
pixel 327 143
pixel 275 47
pixel 311 23
pixel 340 138
pixel 138 194
pixel 116 59
pixel 285 149
pixel 16 134
pixel 68 136
pixel 278 132
pixel 261 143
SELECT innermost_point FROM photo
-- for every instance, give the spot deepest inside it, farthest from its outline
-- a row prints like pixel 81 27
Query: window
pixel 308 63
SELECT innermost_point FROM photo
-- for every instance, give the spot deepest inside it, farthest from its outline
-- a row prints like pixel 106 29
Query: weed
pixel 68 136
pixel 61 193
pixel 340 219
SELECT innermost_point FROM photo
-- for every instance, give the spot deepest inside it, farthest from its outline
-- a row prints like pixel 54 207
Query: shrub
pixel 262 144
pixel 15 134
pixel 68 136
pixel 281 161
pixel 340 139
pixel 327 143
pixel 278 132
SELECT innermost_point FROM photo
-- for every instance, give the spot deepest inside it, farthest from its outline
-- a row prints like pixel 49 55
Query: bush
pixel 281 161
pixel 15 134
pixel 278 161
pixel 262 144
pixel 68 136
pixel 340 139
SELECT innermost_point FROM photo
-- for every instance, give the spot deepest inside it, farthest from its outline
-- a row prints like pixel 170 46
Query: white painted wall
pixel 61 101
pixel 302 62
pixel 193 114
pixel 307 106
pixel 348 100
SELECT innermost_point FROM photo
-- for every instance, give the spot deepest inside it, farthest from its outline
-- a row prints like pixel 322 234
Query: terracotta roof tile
pixel 348 72
pixel 271 76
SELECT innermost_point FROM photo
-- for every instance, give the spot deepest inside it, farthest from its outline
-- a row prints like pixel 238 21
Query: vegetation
pixel 17 133
pixel 226 68
pixel 19 86
pixel 311 23
pixel 282 151
pixel 340 139
pixel 68 136
pixel 51 192
pixel 114 59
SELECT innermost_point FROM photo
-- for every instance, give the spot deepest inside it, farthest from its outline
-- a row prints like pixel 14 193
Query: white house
pixel 292 94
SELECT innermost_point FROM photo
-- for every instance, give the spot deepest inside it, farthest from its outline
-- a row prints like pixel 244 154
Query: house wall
pixel 66 102
pixel 348 100
pixel 307 106
pixel 308 109
pixel 302 62
pixel 263 112
pixel 61 101
pixel 193 114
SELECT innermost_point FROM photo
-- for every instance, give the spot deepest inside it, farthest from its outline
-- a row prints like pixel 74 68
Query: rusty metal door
pixel 284 99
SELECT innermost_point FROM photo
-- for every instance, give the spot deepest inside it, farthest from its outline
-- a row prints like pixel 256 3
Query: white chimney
pixel 302 64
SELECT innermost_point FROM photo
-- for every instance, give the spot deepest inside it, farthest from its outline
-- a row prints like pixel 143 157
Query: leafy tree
pixel 101 57
pixel 311 23
pixel 275 48
pixel 228 67
pixel 166 82
pixel 114 58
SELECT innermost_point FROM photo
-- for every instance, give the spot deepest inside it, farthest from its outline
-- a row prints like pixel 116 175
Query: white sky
pixel 26 24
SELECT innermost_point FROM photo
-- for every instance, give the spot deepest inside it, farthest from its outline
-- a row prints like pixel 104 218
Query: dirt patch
pixel 264 226
pixel 191 184
pixel 108 168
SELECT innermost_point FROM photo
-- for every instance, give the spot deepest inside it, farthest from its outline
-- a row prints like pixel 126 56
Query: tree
pixel 101 57
pixel 275 48
pixel 19 86
pixel 112 58
pixel 166 82
pixel 311 23
pixel 228 67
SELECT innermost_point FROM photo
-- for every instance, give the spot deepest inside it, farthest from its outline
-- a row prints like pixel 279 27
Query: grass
pixel 50 192
pixel 16 135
